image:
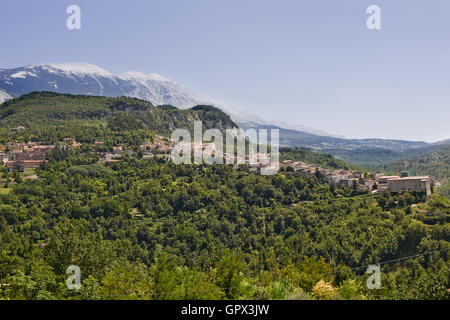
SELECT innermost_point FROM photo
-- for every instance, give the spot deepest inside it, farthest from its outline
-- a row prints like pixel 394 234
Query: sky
pixel 311 62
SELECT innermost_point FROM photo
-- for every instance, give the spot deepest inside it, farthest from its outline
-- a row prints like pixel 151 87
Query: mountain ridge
pixel 48 117
pixel 152 87
pixel 87 79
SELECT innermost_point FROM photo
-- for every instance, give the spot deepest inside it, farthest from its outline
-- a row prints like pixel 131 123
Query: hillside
pixel 369 156
pixel 318 159
pixel 87 79
pixel 145 229
pixel 360 152
pixel 48 117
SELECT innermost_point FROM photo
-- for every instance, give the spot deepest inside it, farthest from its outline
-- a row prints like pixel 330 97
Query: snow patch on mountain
pixel 23 74
pixel 4 96
pixel 159 90
pixel 71 68
pixel 139 76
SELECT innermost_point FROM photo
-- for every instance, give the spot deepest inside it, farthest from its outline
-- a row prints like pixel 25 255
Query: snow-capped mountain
pixel 83 78
pixel 159 90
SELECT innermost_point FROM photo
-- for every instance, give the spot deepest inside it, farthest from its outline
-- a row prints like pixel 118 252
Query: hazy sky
pixel 309 62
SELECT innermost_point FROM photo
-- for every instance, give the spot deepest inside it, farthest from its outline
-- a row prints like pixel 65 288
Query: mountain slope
pixel 49 117
pixel 86 79
pixel 354 151
pixel 4 96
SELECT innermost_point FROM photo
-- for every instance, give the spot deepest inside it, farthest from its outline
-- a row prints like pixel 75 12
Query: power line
pixel 356 268
pixel 398 259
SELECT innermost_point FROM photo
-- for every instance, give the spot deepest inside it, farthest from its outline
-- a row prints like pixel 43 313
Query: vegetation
pixel 376 156
pixel 149 229
pixel 142 229
pixel 318 159
pixel 49 117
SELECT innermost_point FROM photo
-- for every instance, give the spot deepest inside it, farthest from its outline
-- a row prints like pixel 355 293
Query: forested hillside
pixel 314 158
pixel 370 156
pixel 149 229
pixel 49 117
pixel 144 229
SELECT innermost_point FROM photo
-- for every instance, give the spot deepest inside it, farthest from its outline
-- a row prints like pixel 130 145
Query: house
pixel 24 165
pixel 43 148
pixel 30 155
pixel 369 184
pixel 98 143
pixel 349 182
pixel 419 184
pixel 19 128
pixel 357 174
pixel 72 143
pixel 30 152
pixel 111 161
pixel 384 179
pixel 117 150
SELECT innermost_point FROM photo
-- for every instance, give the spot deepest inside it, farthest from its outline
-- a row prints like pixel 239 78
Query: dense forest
pixel 150 229
pixel 147 229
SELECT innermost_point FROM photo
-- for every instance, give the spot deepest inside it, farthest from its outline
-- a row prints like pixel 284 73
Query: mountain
pixel 359 152
pixel 49 117
pixel 87 79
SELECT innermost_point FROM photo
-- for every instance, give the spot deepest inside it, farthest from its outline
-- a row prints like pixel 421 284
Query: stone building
pixel 420 184
pixel 24 165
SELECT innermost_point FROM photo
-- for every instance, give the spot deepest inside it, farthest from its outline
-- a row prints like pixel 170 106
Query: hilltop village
pixel 373 182
pixel 32 155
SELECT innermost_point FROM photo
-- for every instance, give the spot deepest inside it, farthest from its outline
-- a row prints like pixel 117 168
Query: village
pixel 32 155
pixel 372 182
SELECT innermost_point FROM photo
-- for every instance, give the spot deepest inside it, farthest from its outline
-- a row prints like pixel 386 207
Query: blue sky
pixel 309 62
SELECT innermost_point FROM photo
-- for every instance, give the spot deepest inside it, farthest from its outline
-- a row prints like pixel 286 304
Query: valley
pixel 144 228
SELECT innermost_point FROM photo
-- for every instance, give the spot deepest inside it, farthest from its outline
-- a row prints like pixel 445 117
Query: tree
pixel 71 243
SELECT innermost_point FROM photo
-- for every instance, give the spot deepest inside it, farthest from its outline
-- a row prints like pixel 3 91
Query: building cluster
pixel 109 157
pixel 71 143
pixel 32 155
pixel 24 156
pixel 159 145
pixel 255 161
pixel 339 177
pixel 365 181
